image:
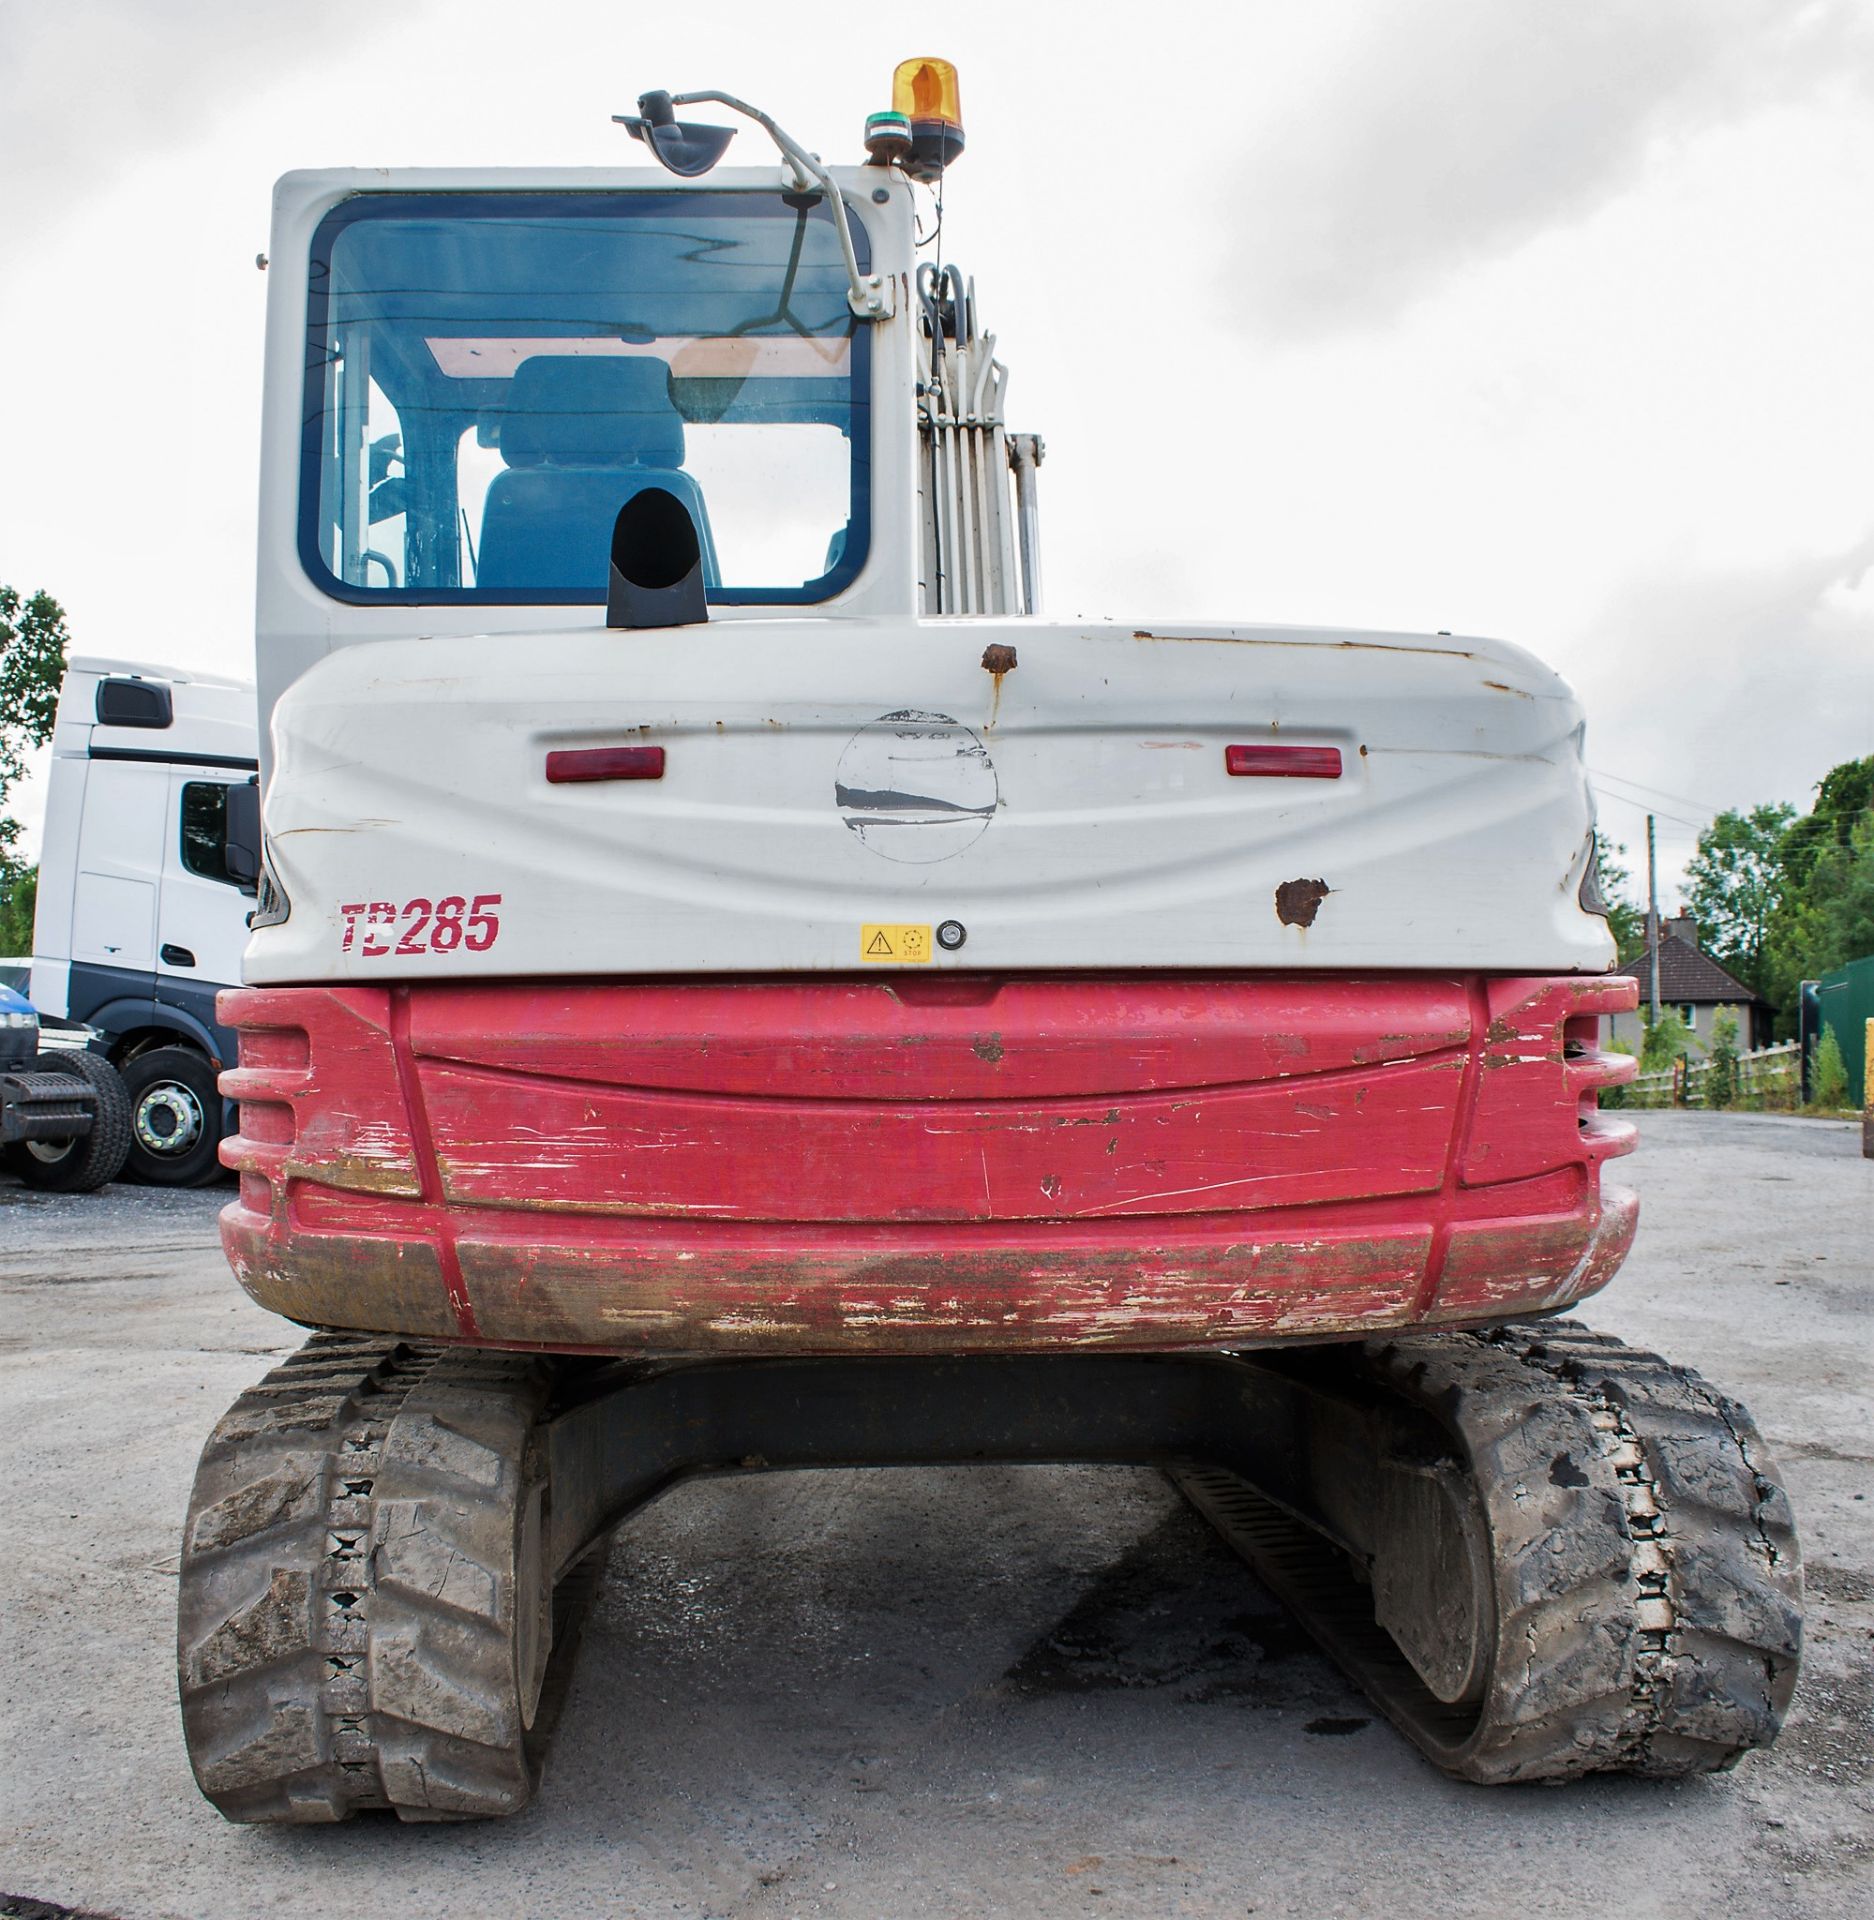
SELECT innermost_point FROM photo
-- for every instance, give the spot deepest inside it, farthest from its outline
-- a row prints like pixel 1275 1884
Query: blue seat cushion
pixel 581 434
pixel 552 526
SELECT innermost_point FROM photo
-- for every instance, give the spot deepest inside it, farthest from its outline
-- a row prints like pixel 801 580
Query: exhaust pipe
pixel 657 564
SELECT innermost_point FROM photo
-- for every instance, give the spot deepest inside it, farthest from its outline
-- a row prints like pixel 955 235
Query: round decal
pixel 916 786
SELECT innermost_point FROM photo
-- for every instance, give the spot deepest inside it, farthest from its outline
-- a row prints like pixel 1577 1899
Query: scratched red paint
pixel 891 1166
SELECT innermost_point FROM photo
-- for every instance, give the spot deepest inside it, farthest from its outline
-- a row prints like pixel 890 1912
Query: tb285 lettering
pixel 381 928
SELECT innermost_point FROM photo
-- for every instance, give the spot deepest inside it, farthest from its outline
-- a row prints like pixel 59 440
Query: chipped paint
pixel 1313 646
pixel 916 787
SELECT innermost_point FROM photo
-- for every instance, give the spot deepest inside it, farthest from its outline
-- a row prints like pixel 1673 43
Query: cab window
pixel 205 830
pixel 491 377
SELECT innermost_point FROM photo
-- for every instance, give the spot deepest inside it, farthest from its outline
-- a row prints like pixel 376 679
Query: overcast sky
pixel 1551 321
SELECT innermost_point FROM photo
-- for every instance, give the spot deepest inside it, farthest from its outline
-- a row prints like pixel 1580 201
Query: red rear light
pixel 605 763
pixel 1294 763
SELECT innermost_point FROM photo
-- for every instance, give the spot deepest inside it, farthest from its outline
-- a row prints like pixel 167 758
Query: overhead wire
pixel 1608 786
pixel 1646 806
pixel 1664 793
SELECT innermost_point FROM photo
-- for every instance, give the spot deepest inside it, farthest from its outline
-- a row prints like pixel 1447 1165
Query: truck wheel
pixel 175 1118
pixel 84 1165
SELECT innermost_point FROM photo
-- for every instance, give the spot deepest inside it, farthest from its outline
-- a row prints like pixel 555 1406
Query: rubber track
pixel 351 1586
pixel 1649 1584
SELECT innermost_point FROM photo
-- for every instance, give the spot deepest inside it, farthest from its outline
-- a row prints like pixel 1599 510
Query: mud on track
pixel 945 1692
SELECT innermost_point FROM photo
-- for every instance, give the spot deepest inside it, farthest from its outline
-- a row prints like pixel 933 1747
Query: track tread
pixel 347 1631
pixel 1714 1679
pixel 1648 1593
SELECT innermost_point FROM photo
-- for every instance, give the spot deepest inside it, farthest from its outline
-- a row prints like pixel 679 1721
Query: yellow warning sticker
pixel 907 946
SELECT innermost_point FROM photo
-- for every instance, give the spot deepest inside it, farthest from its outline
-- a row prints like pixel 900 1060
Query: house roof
pixel 1687 975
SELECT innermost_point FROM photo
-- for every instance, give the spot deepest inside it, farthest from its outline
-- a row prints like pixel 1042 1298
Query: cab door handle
pixel 174 956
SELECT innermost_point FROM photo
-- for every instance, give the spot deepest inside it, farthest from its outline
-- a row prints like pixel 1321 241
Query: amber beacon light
pixel 927 94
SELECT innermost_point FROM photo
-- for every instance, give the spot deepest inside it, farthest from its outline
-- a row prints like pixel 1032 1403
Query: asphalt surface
pixel 1042 1692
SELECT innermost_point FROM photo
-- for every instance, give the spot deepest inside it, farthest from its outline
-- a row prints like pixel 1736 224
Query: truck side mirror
pixel 134 702
pixel 241 855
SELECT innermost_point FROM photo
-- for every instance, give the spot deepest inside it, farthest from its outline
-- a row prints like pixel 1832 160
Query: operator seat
pixel 581 434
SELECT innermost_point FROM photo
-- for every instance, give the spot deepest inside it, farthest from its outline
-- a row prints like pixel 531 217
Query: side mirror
pixel 241 855
pixel 134 702
pixel 686 147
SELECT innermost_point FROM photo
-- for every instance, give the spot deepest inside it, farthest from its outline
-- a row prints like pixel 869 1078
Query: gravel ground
pixel 935 1692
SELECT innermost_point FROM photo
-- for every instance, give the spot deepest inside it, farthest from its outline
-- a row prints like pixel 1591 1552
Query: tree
pixel 1625 921
pixel 33 639
pixel 1734 884
pixel 1825 914
pixel 1840 916
pixel 19 897
pixel 1842 796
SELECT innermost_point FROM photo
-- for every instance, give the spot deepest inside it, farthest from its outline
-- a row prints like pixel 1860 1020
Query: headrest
pixel 591 410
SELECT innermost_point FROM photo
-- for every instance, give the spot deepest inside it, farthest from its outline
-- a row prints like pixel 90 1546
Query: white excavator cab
pixel 486 391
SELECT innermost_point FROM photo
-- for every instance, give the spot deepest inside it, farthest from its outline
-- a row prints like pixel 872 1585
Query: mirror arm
pixel 869 295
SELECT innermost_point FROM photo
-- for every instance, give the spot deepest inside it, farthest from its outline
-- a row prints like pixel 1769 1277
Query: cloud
pixel 1437 134
pixel 1734 687
pixel 93 86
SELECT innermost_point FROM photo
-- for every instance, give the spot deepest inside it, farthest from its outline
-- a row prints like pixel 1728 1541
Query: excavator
pixel 733 986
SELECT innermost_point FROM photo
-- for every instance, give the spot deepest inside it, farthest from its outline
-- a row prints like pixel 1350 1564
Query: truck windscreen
pixel 491 376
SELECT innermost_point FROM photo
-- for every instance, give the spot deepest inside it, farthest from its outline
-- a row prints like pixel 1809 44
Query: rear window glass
pixel 492 376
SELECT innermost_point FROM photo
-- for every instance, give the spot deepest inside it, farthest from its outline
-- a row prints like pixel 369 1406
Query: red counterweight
pixel 958 1164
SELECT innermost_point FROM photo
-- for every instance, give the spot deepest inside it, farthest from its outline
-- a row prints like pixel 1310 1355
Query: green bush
pixel 1667 1039
pixel 1720 1088
pixel 1828 1072
pixel 1615 1096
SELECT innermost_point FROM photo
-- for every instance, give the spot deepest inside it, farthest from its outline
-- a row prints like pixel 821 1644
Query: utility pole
pixel 1652 914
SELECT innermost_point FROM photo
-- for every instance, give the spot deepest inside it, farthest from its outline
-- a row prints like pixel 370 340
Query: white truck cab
pixel 139 923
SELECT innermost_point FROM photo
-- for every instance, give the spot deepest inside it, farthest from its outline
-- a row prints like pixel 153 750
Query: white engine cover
pixel 825 779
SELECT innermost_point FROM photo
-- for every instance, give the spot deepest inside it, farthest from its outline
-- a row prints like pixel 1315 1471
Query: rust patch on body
pixel 988 1047
pixel 1298 901
pixel 998 659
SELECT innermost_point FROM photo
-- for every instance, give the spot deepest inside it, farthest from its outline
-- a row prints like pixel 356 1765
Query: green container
pixel 1845 1001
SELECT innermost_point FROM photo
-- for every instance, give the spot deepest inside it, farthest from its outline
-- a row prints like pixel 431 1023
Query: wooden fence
pixel 1769 1079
